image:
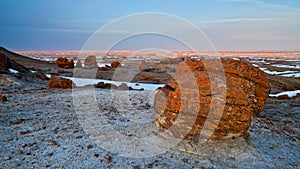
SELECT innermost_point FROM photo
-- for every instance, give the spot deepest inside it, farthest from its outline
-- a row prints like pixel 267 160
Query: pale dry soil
pixel 53 128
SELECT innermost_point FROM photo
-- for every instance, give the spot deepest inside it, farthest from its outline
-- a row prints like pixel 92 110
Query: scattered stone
pixel 123 86
pixel 3 98
pixel 50 154
pixel 115 64
pixel 100 85
pixel 282 97
pixel 7 158
pixel 246 88
pixel 91 62
pixel 78 137
pixel 40 75
pixel 17 122
pixel 64 63
pixel 20 152
pixel 150 165
pixel 96 155
pixel 89 147
pixel 102 69
pixel 59 82
pixel 185 160
pixel 53 143
pixel 25 132
pixel 108 158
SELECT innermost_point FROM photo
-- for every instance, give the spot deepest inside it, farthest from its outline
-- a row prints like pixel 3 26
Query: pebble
pixel 6 158
pixel 107 158
pixel 25 132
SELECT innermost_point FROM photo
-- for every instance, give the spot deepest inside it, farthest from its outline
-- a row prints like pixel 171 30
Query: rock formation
pixel 78 64
pixel 90 62
pixel 64 63
pixel 115 64
pixel 59 82
pixel 185 106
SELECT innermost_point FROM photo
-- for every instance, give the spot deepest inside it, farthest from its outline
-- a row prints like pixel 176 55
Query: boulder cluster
pixel 191 104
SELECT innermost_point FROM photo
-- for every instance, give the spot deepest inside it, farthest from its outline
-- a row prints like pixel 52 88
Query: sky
pixel 228 24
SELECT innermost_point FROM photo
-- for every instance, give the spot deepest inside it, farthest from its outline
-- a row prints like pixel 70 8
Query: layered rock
pixel 199 104
pixel 90 62
pixel 64 63
pixel 59 82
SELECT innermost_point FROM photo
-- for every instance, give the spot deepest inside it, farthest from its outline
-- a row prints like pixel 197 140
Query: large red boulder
pixel 64 63
pixel 59 82
pixel 189 104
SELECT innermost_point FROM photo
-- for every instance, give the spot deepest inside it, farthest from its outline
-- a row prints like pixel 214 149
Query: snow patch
pixel 289 93
pixel 13 71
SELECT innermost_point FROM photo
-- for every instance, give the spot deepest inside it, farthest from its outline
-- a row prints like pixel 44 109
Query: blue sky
pixel 229 24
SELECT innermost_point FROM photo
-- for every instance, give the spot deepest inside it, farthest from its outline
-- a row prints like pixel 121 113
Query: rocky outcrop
pixel 64 63
pixel 7 63
pixel 90 62
pixel 115 65
pixel 189 108
pixel 59 82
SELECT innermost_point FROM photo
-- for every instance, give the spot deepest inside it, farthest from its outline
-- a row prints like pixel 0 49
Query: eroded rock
pixel 90 62
pixel 59 82
pixel 189 108
pixel 64 63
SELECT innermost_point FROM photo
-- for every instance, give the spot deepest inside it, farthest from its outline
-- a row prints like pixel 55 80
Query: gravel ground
pixel 53 128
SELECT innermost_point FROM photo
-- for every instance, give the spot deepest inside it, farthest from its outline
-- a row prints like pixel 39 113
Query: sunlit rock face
pixel 59 82
pixel 64 63
pixel 211 98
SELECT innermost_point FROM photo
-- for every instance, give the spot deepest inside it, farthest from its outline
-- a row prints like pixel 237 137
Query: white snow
pixel 291 75
pixel 286 66
pixel 289 93
pixel 13 71
pixel 276 72
pixel 83 82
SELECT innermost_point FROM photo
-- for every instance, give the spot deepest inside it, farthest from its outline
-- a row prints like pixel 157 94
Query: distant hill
pixel 27 61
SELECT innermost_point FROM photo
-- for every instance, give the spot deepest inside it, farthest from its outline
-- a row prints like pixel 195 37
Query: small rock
pixel 20 152
pixel 7 158
pixel 3 98
pixel 100 85
pixel 115 64
pixel 53 143
pixel 25 132
pixel 89 147
pixel 17 122
pixel 96 155
pixel 107 158
pixel 78 137
pixel 150 165
pixel 282 97
pixel 185 160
